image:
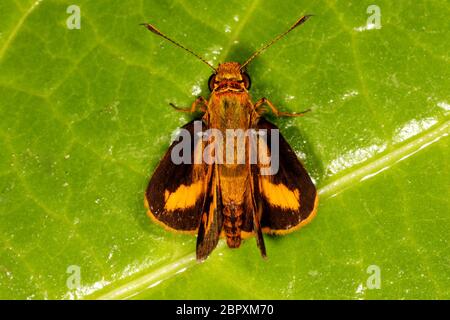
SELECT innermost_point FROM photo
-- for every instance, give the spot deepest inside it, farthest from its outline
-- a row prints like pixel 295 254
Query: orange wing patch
pixel 279 195
pixel 183 197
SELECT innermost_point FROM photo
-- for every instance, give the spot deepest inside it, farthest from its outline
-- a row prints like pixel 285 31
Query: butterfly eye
pixel 211 81
pixel 247 81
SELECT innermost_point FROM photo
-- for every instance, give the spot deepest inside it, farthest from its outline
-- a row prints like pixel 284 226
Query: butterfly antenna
pixel 159 33
pixel 295 25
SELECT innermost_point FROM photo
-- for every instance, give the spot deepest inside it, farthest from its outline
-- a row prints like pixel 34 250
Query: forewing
pixel 288 198
pixel 176 192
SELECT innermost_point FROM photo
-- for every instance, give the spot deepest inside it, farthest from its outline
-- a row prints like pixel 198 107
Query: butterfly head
pixel 229 77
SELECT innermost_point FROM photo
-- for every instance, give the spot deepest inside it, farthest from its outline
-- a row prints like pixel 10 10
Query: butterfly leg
pixel 260 110
pixel 200 104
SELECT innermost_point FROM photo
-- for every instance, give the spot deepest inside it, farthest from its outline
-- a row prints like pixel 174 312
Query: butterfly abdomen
pixel 232 221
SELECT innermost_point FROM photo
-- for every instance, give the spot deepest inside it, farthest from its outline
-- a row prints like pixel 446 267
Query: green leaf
pixel 85 120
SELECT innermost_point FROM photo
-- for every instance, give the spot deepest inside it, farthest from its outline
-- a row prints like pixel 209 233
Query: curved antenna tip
pixel 300 21
pixel 151 28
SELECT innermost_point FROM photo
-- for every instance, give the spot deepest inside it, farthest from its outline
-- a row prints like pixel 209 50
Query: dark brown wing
pixel 176 192
pixel 288 197
pixel 212 218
